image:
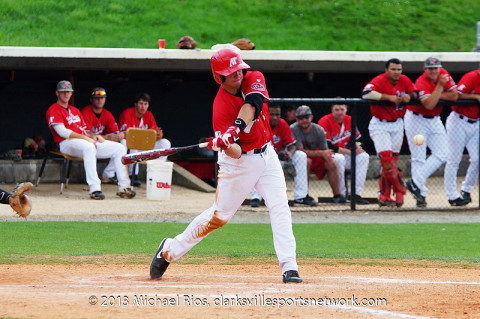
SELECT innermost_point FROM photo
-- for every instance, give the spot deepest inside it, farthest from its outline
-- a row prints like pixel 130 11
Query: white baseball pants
pixel 386 136
pixel 236 178
pixel 460 134
pixel 361 169
pixel 90 152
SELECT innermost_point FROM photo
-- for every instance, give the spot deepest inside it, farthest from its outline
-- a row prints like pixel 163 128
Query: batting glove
pixel 216 144
pixel 230 135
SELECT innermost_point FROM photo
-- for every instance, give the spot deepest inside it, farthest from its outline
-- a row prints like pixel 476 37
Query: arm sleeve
pixel 256 100
pixel 62 131
pixel 332 146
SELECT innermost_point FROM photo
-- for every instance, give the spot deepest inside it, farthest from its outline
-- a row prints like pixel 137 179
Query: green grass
pixel 367 25
pixel 438 242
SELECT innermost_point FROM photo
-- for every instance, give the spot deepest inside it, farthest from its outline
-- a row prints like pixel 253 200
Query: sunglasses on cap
pixel 303 117
pixel 99 93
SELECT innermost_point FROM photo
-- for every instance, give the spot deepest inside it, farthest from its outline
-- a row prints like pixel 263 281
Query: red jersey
pixel 425 89
pixel 469 84
pixel 338 134
pixel 103 125
pixel 381 84
pixel 71 117
pixel 226 107
pixel 282 135
pixel 128 119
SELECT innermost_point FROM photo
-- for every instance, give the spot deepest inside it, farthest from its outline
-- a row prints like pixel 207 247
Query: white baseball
pixel 418 139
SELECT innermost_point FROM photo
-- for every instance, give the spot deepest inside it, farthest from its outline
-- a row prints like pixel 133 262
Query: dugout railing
pixel 353 106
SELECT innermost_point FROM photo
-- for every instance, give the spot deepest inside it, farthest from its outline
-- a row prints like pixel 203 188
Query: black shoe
pixel 255 202
pixel 307 200
pixel 340 199
pixel 136 183
pixel 421 202
pixel 291 276
pixel 98 195
pixel 126 193
pixel 466 196
pixel 458 202
pixel 415 191
pixel 360 200
pixel 159 264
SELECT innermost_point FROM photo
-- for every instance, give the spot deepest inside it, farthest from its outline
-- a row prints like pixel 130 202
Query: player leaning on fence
pixel 386 126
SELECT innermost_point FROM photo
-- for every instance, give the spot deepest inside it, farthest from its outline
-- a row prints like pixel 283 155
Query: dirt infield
pixel 238 291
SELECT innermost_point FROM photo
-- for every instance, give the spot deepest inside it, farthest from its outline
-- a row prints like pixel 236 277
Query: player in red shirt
pixel 284 144
pixel 100 121
pixel 338 131
pixel 386 126
pixel 462 131
pixel 434 84
pixel 138 116
pixel 68 128
pixel 246 158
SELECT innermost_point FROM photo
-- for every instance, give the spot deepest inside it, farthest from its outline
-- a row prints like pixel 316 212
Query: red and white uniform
pixel 147 121
pixel 419 120
pixel 282 139
pixel 103 125
pixel 386 125
pixel 339 135
pixel 462 131
pixel 72 118
pixel 237 177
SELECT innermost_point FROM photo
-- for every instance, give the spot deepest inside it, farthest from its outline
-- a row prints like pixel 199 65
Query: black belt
pixel 257 150
pixel 469 120
pixel 389 121
pixel 425 116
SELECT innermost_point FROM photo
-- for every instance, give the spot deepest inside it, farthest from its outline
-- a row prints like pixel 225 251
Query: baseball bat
pixel 153 154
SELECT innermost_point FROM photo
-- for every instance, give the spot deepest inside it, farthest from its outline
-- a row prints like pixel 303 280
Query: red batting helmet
pixel 225 62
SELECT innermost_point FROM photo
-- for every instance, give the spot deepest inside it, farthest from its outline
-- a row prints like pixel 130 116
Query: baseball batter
pixel 138 116
pixel 284 144
pixel 386 126
pixel 338 131
pixel 462 131
pixel 434 84
pixel 68 129
pixel 100 121
pixel 246 159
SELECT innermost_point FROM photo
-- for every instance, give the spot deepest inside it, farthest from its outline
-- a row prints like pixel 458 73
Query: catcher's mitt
pixel 20 202
pixel 186 42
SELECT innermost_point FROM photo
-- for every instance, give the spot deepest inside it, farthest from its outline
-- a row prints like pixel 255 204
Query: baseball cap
pixel 432 63
pixel 64 86
pixel 99 92
pixel 303 110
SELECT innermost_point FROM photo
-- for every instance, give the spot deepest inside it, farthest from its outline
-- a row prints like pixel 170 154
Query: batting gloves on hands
pixel 225 140
pixel 216 144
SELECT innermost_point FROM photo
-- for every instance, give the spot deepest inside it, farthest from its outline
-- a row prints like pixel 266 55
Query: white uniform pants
pixel 386 136
pixel 109 170
pixel 107 149
pixel 436 140
pixel 361 169
pixel 299 161
pixel 236 178
pixel 460 134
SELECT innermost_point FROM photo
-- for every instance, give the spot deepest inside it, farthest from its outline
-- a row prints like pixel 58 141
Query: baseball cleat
pixel 291 276
pixel 159 264
pixel 413 188
pixel 340 199
pixel 126 193
pixel 307 200
pixel 109 180
pixel 98 195
pixel 466 196
pixel 458 202
pixel 421 202
pixel 255 202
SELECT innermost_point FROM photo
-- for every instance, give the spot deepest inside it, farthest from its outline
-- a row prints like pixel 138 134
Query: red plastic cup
pixel 161 43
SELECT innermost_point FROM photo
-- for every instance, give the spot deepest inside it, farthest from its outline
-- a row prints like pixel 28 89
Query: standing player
pixel 68 129
pixel 138 116
pixel 462 131
pixel 247 159
pixel 338 131
pixel 101 122
pixel 433 85
pixel 386 126
pixel 284 145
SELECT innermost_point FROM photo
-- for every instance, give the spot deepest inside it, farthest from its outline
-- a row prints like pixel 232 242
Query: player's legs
pixel 271 185
pixel 109 170
pixel 457 140
pixel 115 151
pixel 299 160
pixel 361 169
pixel 414 125
pixel 87 151
pixel 340 164
pixel 472 148
pixel 254 195
pixel 236 178
pixel 162 143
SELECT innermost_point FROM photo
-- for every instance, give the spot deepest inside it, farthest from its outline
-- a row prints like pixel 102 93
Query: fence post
pixel 353 155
